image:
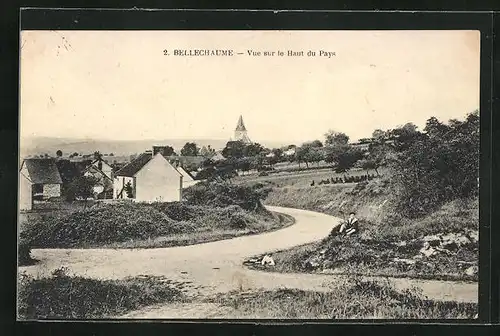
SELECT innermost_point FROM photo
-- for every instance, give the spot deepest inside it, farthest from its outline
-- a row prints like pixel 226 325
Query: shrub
pixel 24 251
pixel 222 194
pixel 350 299
pixel 74 297
pixel 100 224
pixel 176 210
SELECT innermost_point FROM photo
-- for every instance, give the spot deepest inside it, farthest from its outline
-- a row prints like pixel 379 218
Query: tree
pixel 234 149
pixel 244 164
pixel 253 149
pixel 59 153
pixel 97 156
pixel 367 164
pixel 379 135
pixel 68 172
pixel 346 160
pixel 226 170
pixel 129 190
pixel 333 151
pixel 81 187
pixel 204 151
pixel 278 154
pixel 314 154
pixel 308 153
pixel 316 144
pixel 190 149
pixel 439 166
pixel 169 151
pixel 207 173
pixel 336 138
pixel 405 136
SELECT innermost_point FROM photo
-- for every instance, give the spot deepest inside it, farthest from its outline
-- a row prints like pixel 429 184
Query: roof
pixel 43 171
pixel 103 161
pixel 138 163
pixel 185 174
pixel 217 157
pixel 135 165
pixel 97 170
pixel 240 126
pixel 185 160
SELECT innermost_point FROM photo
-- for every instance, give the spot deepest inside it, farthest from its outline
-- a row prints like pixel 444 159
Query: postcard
pixel 248 174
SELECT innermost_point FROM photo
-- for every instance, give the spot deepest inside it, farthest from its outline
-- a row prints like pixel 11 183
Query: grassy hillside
pixel 388 244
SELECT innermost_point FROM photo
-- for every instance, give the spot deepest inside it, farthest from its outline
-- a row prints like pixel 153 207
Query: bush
pixel 70 297
pixel 24 251
pixel 350 299
pixel 101 224
pixel 176 210
pixel 222 194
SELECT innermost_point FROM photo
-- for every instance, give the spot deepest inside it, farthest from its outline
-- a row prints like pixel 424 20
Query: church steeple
pixel 241 126
pixel 240 133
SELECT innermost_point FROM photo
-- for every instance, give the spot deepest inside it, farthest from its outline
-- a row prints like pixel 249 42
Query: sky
pixel 119 85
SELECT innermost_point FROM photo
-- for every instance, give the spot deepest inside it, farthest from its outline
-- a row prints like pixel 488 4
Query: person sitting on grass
pixel 350 226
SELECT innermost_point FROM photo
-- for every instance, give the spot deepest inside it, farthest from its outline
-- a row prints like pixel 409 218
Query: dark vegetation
pixel 430 187
pixel 210 209
pixel 73 297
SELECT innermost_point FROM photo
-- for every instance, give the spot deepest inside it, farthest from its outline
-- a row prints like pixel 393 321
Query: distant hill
pixel 50 145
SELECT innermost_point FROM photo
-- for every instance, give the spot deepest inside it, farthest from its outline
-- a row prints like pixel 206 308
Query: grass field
pixel 388 244
pixel 300 178
pixel 64 296
pixel 355 299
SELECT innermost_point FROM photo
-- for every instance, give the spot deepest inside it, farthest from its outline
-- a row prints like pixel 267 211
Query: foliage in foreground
pixel 74 297
pixel 222 194
pixel 211 208
pixel 354 299
pixel 110 223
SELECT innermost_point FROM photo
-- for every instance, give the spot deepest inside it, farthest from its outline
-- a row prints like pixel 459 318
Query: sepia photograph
pixel 248 174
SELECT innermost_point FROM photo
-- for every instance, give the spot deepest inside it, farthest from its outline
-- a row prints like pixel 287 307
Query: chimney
pixel 149 152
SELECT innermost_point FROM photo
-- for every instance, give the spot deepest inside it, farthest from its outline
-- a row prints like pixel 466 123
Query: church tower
pixel 240 133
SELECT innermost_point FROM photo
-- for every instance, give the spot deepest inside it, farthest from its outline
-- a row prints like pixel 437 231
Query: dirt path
pixel 217 266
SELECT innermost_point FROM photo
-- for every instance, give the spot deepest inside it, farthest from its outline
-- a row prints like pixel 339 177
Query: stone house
pixel 103 189
pixel 39 179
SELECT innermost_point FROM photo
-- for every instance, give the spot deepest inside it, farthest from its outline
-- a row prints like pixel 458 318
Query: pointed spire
pixel 240 126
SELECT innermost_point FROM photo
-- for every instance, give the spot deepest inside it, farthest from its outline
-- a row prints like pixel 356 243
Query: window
pixel 38 188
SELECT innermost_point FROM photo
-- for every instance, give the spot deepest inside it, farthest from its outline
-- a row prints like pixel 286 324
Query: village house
pixel 104 167
pixel 39 179
pixel 148 178
pixel 103 188
pixel 290 151
pixel 187 179
pixel 217 157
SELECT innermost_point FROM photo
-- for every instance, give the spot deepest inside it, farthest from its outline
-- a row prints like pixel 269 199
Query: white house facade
pixel 151 178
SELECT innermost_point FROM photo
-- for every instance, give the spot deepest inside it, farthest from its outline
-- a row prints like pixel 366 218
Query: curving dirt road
pixel 217 266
